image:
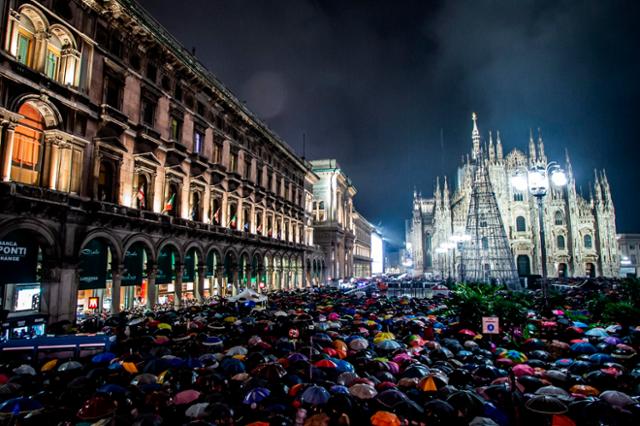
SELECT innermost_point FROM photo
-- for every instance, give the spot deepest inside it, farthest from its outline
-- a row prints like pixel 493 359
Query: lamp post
pixel 536 179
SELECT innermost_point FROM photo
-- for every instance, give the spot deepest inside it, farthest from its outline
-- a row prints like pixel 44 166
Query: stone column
pixel 219 277
pixel 40 50
pixel 269 278
pixel 177 291
pixel 54 162
pixel 234 280
pixel 116 279
pixel 9 132
pixel 60 292
pixel 152 293
pixel 198 289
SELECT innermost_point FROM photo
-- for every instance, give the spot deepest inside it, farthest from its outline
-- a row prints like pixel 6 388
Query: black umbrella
pixel 546 404
pixel 439 412
pixel 466 402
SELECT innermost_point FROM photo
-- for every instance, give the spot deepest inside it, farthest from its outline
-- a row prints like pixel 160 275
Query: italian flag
pixel 169 205
pixel 233 222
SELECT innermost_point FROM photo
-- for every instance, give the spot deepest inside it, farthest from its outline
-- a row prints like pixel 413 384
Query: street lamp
pixel 537 180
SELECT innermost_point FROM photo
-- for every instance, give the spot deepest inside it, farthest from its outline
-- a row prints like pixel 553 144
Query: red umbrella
pixel 326 363
pixel 467 332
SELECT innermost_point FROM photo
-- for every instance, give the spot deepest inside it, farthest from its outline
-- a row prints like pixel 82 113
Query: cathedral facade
pixel 580 233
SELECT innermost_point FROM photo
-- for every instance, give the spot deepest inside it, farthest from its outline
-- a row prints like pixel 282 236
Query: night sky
pixel 388 87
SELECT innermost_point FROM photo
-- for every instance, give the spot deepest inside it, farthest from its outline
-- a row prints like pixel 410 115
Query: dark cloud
pixel 387 88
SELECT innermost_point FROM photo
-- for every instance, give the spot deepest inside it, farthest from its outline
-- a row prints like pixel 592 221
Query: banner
pixel 188 268
pixel 18 259
pixel 165 267
pixel 490 325
pixel 133 266
pixel 93 265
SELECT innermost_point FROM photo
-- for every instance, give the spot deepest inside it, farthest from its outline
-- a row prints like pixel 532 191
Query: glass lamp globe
pixel 559 178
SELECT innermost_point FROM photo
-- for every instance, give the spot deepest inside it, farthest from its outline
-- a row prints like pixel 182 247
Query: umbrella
pixel 388 345
pixel 25 369
pixel 465 400
pixel 326 363
pixel 359 344
pixel 256 395
pixel 385 418
pixel 343 366
pixel 339 389
pixel 580 324
pixel 585 390
pixel 383 336
pixel 552 391
pixel 390 397
pixel 601 358
pixel 112 389
pixel 237 350
pixel 197 411
pixel 96 407
pixel 467 332
pixel 584 348
pixel 545 404
pixel 563 362
pixel 515 356
pixel 597 332
pixel 315 395
pixel 523 370
pixel 16 406
pixel 616 398
pixel 186 397
pixel 533 343
pixel 49 365
pixel 144 379
pixel 103 357
pixel 363 391
pixel 70 366
pixel 272 371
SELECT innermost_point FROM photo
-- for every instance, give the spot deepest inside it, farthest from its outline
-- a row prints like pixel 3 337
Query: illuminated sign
pixel 93 302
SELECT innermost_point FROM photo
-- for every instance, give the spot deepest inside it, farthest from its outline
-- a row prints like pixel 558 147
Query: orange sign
pixel 93 302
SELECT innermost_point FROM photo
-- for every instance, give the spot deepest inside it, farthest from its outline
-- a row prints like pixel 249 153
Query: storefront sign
pixel 133 267
pixel 93 302
pixel 18 259
pixel 93 266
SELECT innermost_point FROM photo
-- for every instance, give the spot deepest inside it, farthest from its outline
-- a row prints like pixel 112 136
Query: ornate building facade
pixel 580 233
pixel 333 225
pixel 131 174
pixel 362 254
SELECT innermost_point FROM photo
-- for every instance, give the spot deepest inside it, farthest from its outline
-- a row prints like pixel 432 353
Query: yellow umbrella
pixel 230 319
pixel 385 335
pixel 162 376
pixel 49 365
pixel 164 326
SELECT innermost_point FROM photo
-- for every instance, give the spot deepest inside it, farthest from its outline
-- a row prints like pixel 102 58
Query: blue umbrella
pixel 564 362
pixel 232 366
pixel 584 348
pixel 339 389
pixel 597 332
pixel 111 388
pixel 103 357
pixel 343 366
pixel 601 358
pixel 315 395
pixel 580 324
pixel 388 345
pixel 256 395
pixel 16 406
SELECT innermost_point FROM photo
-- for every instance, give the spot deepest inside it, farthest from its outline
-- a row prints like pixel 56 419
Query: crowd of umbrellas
pixel 326 358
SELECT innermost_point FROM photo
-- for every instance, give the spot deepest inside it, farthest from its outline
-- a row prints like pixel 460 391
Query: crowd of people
pixel 322 357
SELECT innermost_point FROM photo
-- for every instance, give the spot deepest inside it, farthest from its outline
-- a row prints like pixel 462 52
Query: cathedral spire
pixel 541 155
pixel 532 148
pixel 445 194
pixel 492 152
pixel 475 137
pixel 437 192
pixel 597 187
pixel 606 189
pixel 498 146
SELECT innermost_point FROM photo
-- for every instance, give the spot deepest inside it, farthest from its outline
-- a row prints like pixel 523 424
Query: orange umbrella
pixel 584 390
pixel 385 418
pixel 48 366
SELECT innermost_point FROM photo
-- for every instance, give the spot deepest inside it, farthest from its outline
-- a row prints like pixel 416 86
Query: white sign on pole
pixel 490 325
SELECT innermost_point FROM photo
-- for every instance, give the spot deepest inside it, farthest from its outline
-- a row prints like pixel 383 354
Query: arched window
pixel 485 243
pixel 27 154
pixel 588 241
pixel 558 218
pixel 521 224
pixel 560 242
pixel 562 270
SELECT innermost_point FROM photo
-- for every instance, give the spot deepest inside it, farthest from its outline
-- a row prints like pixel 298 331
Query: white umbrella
pixel 197 411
